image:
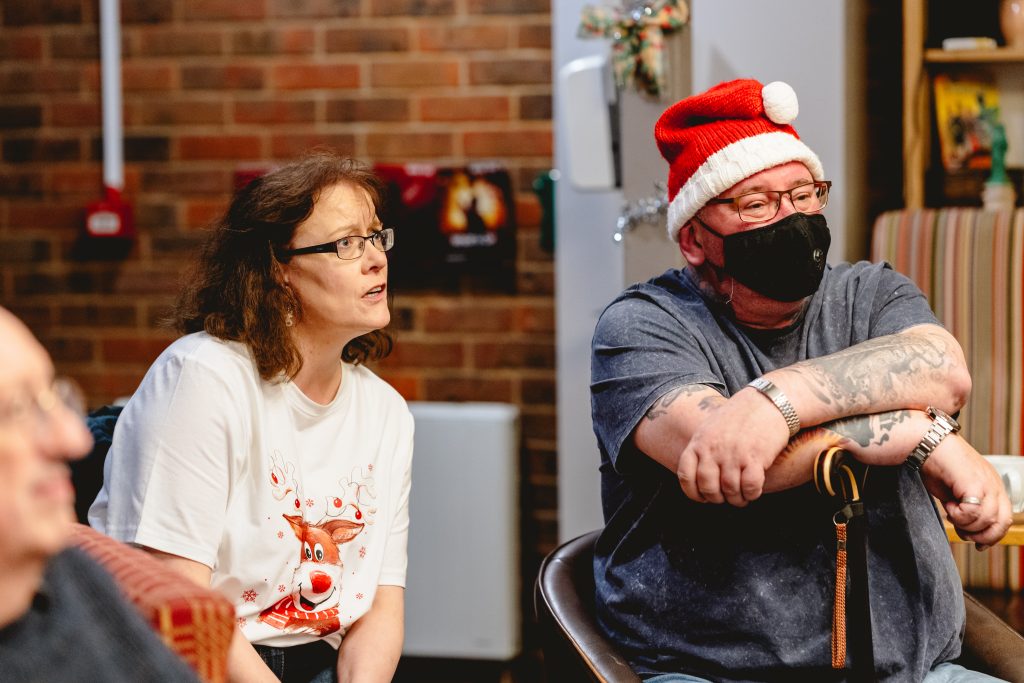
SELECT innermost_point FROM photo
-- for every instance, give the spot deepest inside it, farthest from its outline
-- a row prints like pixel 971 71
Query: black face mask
pixel 784 261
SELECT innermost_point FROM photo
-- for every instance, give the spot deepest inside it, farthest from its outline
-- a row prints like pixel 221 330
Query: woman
pixel 259 455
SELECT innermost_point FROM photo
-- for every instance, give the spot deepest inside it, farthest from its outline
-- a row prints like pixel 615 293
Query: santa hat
pixel 718 138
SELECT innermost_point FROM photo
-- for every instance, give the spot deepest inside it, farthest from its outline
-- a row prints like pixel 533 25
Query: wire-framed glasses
pixel 348 247
pixel 757 207
pixel 40 406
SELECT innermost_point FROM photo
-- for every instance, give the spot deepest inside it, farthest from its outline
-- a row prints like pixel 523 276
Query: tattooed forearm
pixel 868 430
pixel 660 406
pixel 877 370
pixel 711 402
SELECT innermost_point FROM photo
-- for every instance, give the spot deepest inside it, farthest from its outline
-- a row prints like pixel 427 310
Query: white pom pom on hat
pixel 780 103
pixel 720 137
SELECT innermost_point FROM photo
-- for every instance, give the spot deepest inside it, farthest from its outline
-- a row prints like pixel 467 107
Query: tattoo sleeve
pixel 661 406
pixel 880 370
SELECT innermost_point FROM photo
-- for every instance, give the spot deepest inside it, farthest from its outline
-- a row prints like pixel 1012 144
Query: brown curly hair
pixel 236 291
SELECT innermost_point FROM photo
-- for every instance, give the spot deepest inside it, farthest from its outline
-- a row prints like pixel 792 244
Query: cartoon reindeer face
pixel 317 580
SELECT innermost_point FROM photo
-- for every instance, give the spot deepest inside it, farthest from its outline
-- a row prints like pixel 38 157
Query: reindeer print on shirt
pixel 313 604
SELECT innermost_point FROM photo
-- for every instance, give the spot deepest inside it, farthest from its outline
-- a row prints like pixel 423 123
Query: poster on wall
pixel 454 226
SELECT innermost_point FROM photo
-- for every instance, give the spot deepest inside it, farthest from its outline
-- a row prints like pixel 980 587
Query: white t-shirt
pixel 300 509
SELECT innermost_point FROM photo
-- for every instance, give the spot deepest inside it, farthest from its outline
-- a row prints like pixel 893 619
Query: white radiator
pixel 462 590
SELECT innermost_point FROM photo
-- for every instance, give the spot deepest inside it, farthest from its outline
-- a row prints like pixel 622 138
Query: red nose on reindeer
pixel 320 582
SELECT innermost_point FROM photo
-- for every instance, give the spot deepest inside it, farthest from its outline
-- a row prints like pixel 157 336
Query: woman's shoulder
pixel 206 355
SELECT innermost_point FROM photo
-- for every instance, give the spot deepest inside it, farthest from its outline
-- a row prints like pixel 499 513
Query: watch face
pixel 937 414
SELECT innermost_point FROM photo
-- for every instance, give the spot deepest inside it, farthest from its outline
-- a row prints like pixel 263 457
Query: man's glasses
pixel 42 405
pixel 757 207
pixel 348 248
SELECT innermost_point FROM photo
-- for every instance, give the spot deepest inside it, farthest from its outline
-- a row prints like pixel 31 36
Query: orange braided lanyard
pixel 834 478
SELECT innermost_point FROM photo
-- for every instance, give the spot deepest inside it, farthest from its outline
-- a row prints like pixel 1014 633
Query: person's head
pixel 250 285
pixel 745 192
pixel 39 434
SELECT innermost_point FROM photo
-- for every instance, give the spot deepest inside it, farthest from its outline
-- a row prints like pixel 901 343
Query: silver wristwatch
pixel 942 426
pixel 776 396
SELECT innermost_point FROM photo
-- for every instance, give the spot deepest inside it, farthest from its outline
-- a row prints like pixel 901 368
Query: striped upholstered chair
pixel 970 265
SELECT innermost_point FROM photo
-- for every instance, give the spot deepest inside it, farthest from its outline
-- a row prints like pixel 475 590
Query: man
pixel 718 557
pixel 61 617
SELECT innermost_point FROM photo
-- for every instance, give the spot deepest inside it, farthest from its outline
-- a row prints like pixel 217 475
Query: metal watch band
pixel 942 426
pixel 776 396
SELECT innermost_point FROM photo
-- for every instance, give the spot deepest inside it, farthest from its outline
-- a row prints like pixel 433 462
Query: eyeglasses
pixel 349 247
pixel 757 207
pixel 41 406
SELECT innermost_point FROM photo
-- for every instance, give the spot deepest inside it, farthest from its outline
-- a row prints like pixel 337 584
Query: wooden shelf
pixel 1015 536
pixel 997 55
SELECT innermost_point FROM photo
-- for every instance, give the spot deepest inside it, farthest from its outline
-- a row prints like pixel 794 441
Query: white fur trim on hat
pixel 780 104
pixel 732 164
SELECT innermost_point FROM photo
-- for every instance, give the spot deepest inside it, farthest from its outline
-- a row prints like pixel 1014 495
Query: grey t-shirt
pixel 746 594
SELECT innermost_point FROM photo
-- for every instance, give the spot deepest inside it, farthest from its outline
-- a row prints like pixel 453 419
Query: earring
pixel 289 318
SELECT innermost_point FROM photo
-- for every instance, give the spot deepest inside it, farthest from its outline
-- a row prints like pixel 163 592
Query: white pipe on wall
pixel 110 72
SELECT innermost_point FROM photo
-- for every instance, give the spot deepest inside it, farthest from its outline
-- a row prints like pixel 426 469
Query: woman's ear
pixel 691 249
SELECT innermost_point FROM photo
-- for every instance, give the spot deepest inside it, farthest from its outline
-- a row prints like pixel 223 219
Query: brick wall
pixel 212 86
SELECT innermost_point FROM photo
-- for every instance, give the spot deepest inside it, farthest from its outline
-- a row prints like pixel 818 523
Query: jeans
pixel 314 662
pixel 943 673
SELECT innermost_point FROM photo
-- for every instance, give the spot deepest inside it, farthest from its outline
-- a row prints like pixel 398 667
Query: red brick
pixel 539 426
pixel 510 71
pixel 177 112
pixel 373 109
pixel 482 316
pixel 103 386
pixel 50 12
pixel 528 211
pixel 418 74
pixel 232 147
pixel 162 41
pixel 76 180
pixel 535 280
pixel 44 79
pixel 68 350
pixel 80 44
pixel 224 9
pixel 465 108
pixel 20 116
pixel 409 145
pixel 425 354
pixel 275 111
pixel 536 318
pixel 35 316
pixel 44 215
pixel 273 41
pixel 514 355
pixel 138 78
pixel 146 280
pixel 146 11
pixel 202 214
pixel 96 315
pixel 288 146
pixel 464 36
pixel 467 389
pixel 535 107
pixel 22 183
pixel 360 40
pixel 327 9
pixel 73 114
pixel 230 77
pixel 22 249
pixel 534 36
pixel 531 143
pixel 509 6
pixel 185 182
pixel 315 76
pixel 416 8
pixel 538 391
pixel 20 45
pixel 133 349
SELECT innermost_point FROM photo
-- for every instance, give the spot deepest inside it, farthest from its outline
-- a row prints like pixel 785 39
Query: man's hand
pixel 726 458
pixel 956 474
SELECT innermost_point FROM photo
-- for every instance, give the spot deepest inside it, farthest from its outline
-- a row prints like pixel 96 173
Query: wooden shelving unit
pixel 919 64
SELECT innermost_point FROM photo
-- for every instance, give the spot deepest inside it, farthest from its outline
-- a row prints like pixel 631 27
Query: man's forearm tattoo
pixel 877 369
pixel 661 406
pixel 868 430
